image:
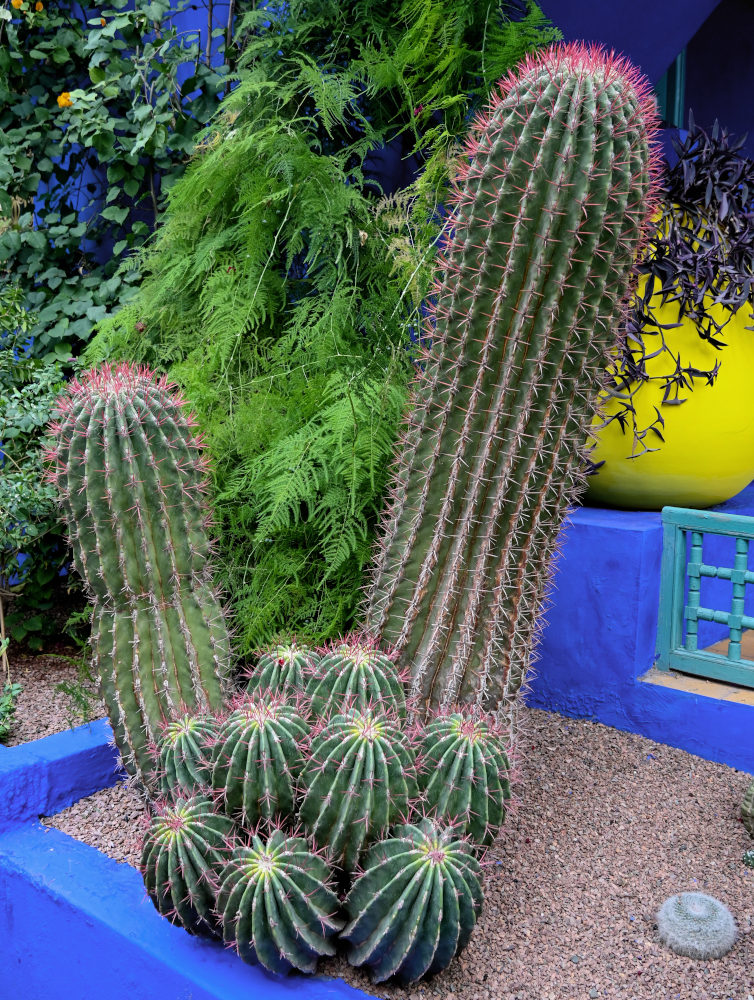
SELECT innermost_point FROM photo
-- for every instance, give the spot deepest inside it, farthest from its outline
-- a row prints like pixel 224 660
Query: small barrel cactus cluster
pixel 309 784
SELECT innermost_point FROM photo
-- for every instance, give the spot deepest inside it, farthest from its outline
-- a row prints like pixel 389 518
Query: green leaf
pixel 96 74
pixel 115 214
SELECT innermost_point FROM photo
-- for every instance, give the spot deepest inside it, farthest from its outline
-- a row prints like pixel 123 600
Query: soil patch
pixel 41 709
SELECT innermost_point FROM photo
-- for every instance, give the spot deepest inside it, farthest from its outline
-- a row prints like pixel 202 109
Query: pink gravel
pixel 41 709
pixel 607 825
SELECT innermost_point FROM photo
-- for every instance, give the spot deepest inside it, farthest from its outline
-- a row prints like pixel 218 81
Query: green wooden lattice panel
pixel 681 608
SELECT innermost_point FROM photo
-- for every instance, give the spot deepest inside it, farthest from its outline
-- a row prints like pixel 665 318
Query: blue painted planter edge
pixel 78 924
pixel 46 775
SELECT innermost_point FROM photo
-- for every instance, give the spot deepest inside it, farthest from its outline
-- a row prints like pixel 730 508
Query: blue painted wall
pixel 718 36
pixel 649 32
pixel 76 925
pixel 601 633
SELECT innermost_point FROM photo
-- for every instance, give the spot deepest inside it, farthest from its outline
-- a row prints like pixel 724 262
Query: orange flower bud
pixel 64 99
pixel 102 21
pixel 39 6
pixel 16 4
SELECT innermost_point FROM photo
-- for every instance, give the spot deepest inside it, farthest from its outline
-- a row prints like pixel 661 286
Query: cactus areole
pixel 548 212
pixel 132 477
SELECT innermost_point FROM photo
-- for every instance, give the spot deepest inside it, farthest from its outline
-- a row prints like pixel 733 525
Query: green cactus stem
pixel 257 759
pixel 184 750
pixel 132 478
pixel 359 780
pixel 416 904
pixel 283 669
pixel 276 906
pixel 463 773
pixel 551 205
pixel 355 674
pixel 747 810
pixel 182 855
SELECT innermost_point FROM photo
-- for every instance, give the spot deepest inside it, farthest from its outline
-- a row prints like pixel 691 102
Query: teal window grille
pixel 681 608
pixel 671 93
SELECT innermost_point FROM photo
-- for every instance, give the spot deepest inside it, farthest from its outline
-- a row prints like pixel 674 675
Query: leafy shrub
pixel 97 119
pixel 32 552
pixel 284 284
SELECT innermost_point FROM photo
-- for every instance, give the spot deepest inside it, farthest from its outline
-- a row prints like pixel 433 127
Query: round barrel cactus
pixel 463 773
pixel 360 779
pixel 257 759
pixel 355 674
pixel 416 904
pixel 275 905
pixel 184 749
pixel 283 669
pixel 183 851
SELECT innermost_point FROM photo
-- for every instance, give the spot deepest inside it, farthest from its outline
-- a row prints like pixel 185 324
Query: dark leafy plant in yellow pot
pixel 678 426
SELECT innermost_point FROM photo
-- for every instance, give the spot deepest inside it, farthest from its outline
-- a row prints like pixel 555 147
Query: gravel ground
pixel 41 709
pixel 112 820
pixel 607 825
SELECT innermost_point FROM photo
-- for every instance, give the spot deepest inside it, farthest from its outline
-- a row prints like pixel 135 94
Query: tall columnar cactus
pixel 416 904
pixel 275 904
pixel 183 853
pixel 747 809
pixel 463 773
pixel 257 759
pixel 132 477
pixel 550 208
pixel 284 669
pixel 359 780
pixel 355 674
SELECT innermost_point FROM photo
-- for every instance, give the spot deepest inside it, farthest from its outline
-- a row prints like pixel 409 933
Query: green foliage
pixel 283 286
pixel 94 128
pixel 28 514
pixel 8 699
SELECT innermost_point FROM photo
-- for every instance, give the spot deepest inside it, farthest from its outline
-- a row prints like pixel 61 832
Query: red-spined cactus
pixel 549 210
pixel 359 780
pixel 132 477
pixel 355 673
pixel 463 773
pixel 415 906
pixel 257 759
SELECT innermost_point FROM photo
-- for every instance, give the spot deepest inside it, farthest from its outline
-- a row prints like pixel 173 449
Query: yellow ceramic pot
pixel 708 452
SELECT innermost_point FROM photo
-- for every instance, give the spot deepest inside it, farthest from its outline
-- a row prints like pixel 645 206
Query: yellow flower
pixel 39 6
pixel 64 99
pixel 16 4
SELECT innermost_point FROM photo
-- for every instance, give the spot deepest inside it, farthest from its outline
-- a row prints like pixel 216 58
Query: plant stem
pixel 5 661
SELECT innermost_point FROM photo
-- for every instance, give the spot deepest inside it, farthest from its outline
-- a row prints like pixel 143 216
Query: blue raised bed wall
pixel 76 925
pixel 601 635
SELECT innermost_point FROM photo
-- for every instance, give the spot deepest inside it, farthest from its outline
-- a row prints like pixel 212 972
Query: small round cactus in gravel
pixel 696 925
